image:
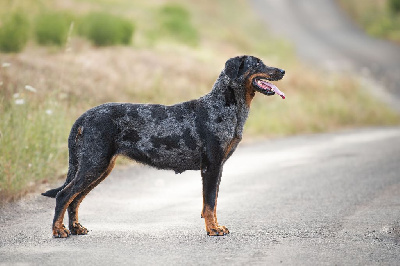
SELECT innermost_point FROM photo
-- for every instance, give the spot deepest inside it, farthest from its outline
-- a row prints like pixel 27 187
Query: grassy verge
pixel 32 141
pixel 379 18
pixel 34 124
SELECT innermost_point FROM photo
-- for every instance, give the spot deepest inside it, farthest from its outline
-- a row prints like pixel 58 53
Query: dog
pixel 199 134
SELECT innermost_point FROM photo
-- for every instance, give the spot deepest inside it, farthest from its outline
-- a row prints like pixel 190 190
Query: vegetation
pixel 32 142
pixel 52 28
pixel 43 91
pixel 175 23
pixel 379 18
pixel 104 29
pixel 394 6
pixel 14 32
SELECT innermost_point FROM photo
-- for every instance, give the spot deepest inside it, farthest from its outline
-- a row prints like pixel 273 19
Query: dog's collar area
pixel 267 88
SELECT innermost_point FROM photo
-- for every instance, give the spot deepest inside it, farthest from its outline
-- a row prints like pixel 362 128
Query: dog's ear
pixel 235 67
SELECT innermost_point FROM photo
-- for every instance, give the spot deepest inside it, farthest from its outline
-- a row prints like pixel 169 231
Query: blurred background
pixel 60 57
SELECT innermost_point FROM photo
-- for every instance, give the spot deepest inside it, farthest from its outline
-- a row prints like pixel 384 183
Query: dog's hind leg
pixel 92 167
pixel 63 199
pixel 74 226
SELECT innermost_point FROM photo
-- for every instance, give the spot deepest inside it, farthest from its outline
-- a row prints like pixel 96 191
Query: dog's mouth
pixel 267 88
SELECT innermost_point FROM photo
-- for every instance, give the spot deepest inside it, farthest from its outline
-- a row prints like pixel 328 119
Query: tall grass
pixel 32 141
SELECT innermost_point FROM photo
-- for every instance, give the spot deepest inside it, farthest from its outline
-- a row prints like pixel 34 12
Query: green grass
pixel 379 18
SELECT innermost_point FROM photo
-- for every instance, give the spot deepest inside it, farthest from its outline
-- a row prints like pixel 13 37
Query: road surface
pixel 325 37
pixel 305 200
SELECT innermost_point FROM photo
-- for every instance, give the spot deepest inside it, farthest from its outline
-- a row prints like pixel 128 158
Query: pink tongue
pixel 276 90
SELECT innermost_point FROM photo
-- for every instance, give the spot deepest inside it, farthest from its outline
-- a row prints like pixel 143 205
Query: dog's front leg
pixel 211 175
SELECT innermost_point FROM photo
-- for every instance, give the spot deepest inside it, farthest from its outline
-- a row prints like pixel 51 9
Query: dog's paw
pixel 217 231
pixel 61 232
pixel 78 229
pixel 224 229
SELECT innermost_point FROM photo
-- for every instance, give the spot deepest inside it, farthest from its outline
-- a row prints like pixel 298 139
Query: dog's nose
pixel 282 71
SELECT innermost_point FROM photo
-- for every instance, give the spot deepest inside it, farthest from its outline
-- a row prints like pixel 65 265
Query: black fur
pixel 195 135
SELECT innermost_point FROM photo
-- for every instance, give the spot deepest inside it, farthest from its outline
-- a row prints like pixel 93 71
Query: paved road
pixel 306 200
pixel 325 37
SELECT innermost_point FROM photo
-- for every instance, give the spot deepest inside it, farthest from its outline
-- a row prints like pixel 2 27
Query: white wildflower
pixel 49 111
pixel 19 101
pixel 30 88
pixel 5 64
pixel 16 95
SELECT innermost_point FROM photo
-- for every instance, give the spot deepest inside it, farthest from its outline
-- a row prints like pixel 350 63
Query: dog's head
pixel 250 73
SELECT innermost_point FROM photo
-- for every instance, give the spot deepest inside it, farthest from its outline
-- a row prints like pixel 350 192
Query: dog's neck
pixel 228 96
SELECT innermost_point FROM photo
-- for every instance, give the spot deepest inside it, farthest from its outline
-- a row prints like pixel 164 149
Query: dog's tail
pixel 52 193
pixel 74 137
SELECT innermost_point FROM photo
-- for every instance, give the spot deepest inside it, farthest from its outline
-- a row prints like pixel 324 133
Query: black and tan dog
pixel 195 135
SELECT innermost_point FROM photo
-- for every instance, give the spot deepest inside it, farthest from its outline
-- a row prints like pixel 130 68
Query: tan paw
pixel 217 231
pixel 78 229
pixel 60 232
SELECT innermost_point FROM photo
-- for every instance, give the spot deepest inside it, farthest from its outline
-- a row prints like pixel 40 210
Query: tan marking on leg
pixel 210 218
pixel 220 227
pixel 231 145
pixel 96 182
pixel 59 229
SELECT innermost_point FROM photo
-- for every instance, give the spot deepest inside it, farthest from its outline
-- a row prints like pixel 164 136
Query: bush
pixel 175 23
pixel 105 29
pixel 14 33
pixel 394 6
pixel 52 28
